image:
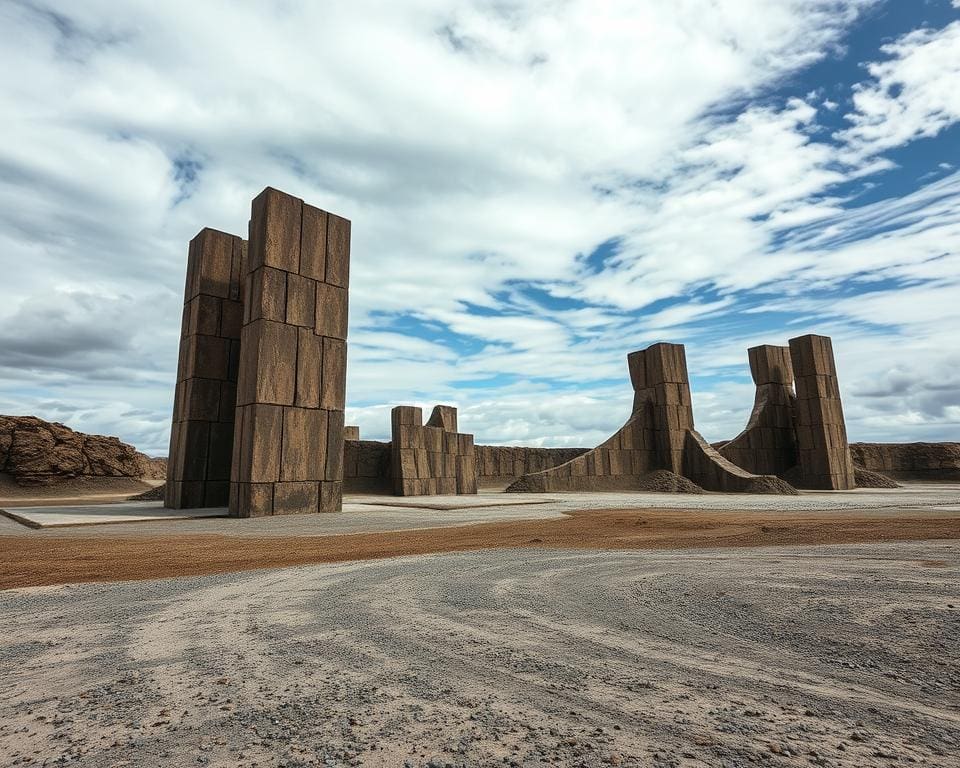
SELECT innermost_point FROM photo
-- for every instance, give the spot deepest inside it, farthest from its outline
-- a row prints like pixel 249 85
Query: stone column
pixel 660 382
pixel 288 444
pixel 201 435
pixel 824 454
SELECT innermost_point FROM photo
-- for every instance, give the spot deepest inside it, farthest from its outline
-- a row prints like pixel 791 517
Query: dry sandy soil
pixel 772 656
pixel 732 633
pixel 41 560
pixel 80 490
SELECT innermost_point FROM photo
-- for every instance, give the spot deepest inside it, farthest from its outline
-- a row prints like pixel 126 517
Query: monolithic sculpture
pixel 658 435
pixel 288 329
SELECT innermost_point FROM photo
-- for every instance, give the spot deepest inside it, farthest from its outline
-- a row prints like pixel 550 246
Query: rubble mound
pixel 35 452
pixel 866 478
pixel 665 481
pixel 771 484
pixel 154 494
pixel 522 484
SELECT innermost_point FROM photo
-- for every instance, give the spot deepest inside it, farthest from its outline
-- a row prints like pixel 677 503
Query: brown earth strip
pixel 27 561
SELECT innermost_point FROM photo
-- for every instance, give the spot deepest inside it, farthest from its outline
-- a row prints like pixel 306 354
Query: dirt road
pixel 832 656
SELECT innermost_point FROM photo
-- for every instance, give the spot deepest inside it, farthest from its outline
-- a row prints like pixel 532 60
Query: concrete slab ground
pixel 100 514
pixel 364 513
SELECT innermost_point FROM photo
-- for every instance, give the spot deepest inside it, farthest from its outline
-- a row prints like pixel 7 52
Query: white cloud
pixel 911 94
pixel 476 146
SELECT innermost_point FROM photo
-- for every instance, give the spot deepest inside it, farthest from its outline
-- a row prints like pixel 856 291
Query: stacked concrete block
pixel 768 444
pixel 289 431
pixel 823 451
pixel 201 436
pixel 660 380
pixel 658 435
pixel 432 459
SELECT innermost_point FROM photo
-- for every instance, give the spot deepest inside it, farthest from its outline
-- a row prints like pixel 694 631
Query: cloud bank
pixel 536 189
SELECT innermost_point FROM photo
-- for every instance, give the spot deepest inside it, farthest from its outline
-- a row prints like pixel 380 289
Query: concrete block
pixel 309 368
pixel 334 382
pixel 265 296
pixel 261 444
pixel 313 244
pixel 275 225
pixel 338 251
pixel 296 498
pixel 331 311
pixel 301 301
pixel 304 451
pixel 334 470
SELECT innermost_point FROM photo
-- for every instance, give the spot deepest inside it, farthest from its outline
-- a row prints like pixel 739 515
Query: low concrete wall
pixel 366 464
pixel 366 467
pixel 910 461
pixel 500 465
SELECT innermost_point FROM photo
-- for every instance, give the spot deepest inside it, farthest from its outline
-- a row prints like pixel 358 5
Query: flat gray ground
pixel 834 656
pixel 387 513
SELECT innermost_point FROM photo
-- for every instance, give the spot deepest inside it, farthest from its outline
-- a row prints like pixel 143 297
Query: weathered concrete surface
pixel 201 432
pixel 59 516
pixel 366 464
pixel 433 458
pixel 822 449
pixel 366 513
pixel 289 436
pixel 768 444
pixel 839 656
pixel 659 435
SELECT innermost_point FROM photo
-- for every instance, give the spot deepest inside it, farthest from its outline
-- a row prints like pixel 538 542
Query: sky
pixel 536 189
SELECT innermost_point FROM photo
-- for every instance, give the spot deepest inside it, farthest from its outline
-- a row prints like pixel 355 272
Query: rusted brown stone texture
pixel 658 435
pixel 289 431
pixel 201 435
pixel 802 437
pixel 434 459
pixel 823 452
pixel 768 444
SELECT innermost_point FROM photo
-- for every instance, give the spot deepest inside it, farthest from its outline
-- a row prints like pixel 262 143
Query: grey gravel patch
pixel 827 656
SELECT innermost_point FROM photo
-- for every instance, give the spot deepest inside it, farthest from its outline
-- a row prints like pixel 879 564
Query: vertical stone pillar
pixel 660 382
pixel 201 435
pixel 824 454
pixel 288 444
pixel 408 454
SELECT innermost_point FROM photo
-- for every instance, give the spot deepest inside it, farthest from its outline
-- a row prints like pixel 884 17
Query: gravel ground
pixel 832 656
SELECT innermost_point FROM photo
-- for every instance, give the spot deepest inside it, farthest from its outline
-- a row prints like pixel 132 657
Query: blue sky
pixel 536 189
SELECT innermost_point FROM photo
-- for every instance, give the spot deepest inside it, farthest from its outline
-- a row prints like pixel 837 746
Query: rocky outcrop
pixel 152 467
pixel 38 452
pixel 909 461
